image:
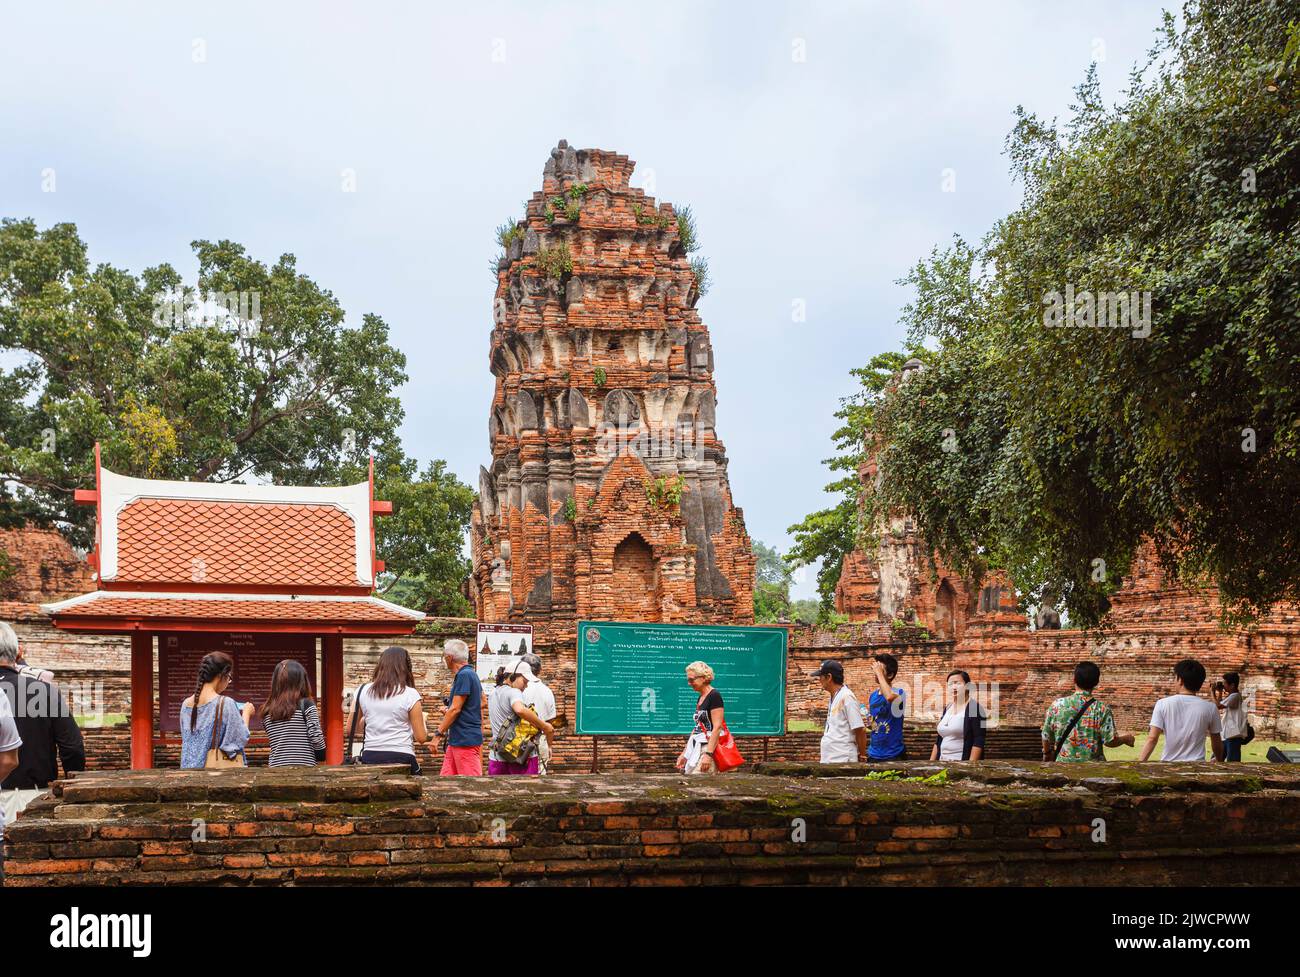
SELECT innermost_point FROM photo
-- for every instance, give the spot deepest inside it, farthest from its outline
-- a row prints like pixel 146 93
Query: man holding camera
pixel 1232 708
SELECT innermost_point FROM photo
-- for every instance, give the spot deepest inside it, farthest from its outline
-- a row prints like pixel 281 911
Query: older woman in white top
pixel 697 757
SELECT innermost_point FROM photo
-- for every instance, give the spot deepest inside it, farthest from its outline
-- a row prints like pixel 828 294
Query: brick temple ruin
pixel 607 494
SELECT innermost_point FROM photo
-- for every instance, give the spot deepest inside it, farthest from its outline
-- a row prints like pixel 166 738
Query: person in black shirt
pixel 45 724
pixel 697 757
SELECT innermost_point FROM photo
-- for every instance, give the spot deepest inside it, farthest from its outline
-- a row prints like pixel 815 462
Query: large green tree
pixel 827 536
pixel 771 584
pixel 1053 452
pixel 266 381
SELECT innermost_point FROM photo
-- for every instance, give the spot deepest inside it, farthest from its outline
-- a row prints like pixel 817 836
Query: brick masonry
pixel 989 824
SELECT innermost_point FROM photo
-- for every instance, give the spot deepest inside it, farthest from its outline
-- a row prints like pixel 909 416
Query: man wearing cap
pixel 845 737
pixel 539 698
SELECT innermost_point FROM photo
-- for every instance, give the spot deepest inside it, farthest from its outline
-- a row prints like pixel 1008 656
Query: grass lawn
pixel 1253 752
pixel 108 719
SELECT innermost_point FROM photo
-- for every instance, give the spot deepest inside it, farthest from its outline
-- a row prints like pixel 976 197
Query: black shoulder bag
pixel 318 753
pixel 352 732
pixel 1060 744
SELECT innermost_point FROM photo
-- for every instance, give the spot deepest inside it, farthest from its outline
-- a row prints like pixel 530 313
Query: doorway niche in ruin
pixel 635 579
pixel 945 610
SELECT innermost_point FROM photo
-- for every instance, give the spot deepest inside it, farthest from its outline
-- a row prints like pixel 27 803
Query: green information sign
pixel 632 677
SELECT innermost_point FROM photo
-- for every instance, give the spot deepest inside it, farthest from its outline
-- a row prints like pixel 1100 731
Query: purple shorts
pixel 499 768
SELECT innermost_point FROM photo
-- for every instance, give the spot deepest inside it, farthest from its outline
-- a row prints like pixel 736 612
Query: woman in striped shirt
pixel 292 723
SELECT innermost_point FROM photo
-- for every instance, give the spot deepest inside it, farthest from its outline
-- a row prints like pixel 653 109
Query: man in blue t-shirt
pixel 462 723
pixel 885 707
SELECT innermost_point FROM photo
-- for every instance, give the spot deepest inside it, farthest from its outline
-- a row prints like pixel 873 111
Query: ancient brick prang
pixel 38 565
pixel 607 496
pixel 978 824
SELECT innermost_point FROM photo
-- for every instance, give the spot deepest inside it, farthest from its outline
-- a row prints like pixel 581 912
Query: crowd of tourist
pixel 1077 727
pixel 388 720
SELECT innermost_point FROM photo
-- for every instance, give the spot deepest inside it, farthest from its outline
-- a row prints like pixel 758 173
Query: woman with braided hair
pixel 199 714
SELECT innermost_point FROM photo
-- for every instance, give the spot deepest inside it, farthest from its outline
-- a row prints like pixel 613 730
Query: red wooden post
pixel 331 695
pixel 141 700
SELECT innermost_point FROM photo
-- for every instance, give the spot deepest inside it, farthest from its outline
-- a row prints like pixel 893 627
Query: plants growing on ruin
pixel 507 232
pixel 688 237
pixel 686 231
pixel 661 221
pixel 554 262
pixel 665 493
pixel 703 280
pixel 570 509
pixel 599 375
pixel 897 775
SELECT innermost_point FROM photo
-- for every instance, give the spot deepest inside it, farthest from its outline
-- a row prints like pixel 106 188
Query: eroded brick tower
pixel 607 495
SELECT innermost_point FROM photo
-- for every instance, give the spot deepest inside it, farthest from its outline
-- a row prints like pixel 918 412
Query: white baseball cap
pixel 522 667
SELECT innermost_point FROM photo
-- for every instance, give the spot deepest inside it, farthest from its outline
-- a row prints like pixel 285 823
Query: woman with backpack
pixel 214 727
pixel 291 721
pixel 515 727
pixel 389 714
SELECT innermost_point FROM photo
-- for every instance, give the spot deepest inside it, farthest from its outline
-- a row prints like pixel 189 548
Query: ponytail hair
pixel 501 675
pixel 213 666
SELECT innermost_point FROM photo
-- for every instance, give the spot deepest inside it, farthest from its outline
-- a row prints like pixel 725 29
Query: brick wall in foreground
pixel 996 823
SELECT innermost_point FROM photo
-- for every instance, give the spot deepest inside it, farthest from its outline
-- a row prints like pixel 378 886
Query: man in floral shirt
pixel 1095 728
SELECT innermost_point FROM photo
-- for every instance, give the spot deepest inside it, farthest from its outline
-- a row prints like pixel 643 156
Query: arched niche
pixel 635 579
pixel 945 610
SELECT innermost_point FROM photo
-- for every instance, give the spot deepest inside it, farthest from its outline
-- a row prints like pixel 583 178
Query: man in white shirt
pixel 845 737
pixel 10 741
pixel 539 698
pixel 1185 718
pixel 1232 704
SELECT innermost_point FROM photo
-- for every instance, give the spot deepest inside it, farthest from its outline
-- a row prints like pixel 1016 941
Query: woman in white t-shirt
pixel 960 733
pixel 392 713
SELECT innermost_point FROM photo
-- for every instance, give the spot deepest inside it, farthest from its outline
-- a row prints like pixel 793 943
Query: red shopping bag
pixel 726 755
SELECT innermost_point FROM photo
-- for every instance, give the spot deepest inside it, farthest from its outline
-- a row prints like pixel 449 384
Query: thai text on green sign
pixel 632 677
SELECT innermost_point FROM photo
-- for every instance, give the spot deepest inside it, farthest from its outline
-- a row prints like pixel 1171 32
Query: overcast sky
pixel 810 139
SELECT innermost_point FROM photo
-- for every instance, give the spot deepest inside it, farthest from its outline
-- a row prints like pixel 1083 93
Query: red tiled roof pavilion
pixel 258 560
